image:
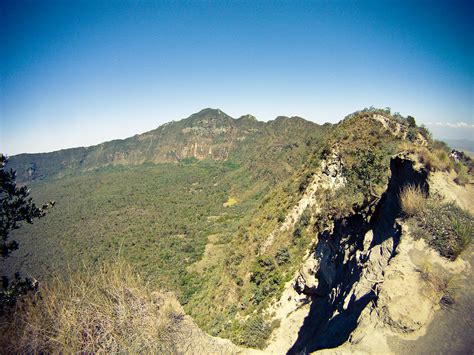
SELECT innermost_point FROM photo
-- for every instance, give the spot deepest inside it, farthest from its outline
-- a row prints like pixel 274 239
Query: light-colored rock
pixel 307 282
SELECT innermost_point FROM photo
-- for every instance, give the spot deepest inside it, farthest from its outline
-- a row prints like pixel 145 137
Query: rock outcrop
pixel 344 272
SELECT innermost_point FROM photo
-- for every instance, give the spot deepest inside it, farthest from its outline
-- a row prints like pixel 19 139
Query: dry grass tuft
pixel 442 284
pixel 412 200
pixel 105 310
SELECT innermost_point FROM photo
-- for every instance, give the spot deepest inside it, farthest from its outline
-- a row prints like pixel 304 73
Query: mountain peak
pixel 210 113
pixel 248 117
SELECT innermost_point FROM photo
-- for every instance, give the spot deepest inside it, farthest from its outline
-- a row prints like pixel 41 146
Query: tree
pixel 411 121
pixel 369 170
pixel 16 207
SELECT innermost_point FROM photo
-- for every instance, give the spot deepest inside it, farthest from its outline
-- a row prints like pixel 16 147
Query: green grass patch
pixel 446 227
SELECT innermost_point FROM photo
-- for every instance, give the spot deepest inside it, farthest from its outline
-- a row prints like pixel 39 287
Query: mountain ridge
pixel 209 133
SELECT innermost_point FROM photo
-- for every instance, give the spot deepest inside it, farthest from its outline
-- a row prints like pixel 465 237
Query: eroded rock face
pixel 332 168
pixel 350 262
pixel 329 177
pixel 307 282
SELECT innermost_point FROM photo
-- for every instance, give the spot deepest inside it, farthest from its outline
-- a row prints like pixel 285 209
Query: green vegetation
pixel 254 332
pixel 443 284
pixel 16 207
pixel 271 151
pixel 462 177
pixel 282 256
pixel 368 170
pixel 157 216
pixel 446 227
pixel 435 157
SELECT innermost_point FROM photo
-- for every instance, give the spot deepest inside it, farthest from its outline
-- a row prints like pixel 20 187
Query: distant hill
pixel 208 134
pixel 465 145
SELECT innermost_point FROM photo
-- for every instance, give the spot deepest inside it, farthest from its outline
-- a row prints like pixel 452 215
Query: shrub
pixel 266 263
pixel 412 134
pixel 304 182
pixel 463 230
pixel 425 133
pixel 281 217
pixel 441 283
pixel 255 332
pixel 412 200
pixel 297 233
pixel 411 121
pixel 282 256
pixel 16 207
pixel 267 288
pixel 261 270
pixel 443 159
pixel 109 310
pixel 436 159
pixel 305 217
pixel 236 258
pixel 441 145
pixel 428 159
pixel 369 170
pixel 239 281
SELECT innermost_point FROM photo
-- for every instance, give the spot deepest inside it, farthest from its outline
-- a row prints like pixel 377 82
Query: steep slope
pixel 319 244
pixel 268 250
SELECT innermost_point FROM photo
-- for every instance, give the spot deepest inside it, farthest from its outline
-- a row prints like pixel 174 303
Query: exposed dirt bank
pixel 443 184
pixel 450 331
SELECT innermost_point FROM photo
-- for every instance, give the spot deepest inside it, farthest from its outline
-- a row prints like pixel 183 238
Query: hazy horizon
pixel 81 73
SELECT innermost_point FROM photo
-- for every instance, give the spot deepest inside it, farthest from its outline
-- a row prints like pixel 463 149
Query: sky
pixel 78 73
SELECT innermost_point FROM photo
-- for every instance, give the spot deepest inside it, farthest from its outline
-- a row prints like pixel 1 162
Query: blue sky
pixel 80 73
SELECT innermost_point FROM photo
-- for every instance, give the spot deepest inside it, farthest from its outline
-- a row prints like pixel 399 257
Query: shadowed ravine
pixel 321 328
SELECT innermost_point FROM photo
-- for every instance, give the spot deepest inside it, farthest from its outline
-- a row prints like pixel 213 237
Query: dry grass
pixel 462 177
pixel 230 202
pixel 433 159
pixel 436 160
pixel 442 284
pixel 412 200
pixel 105 310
